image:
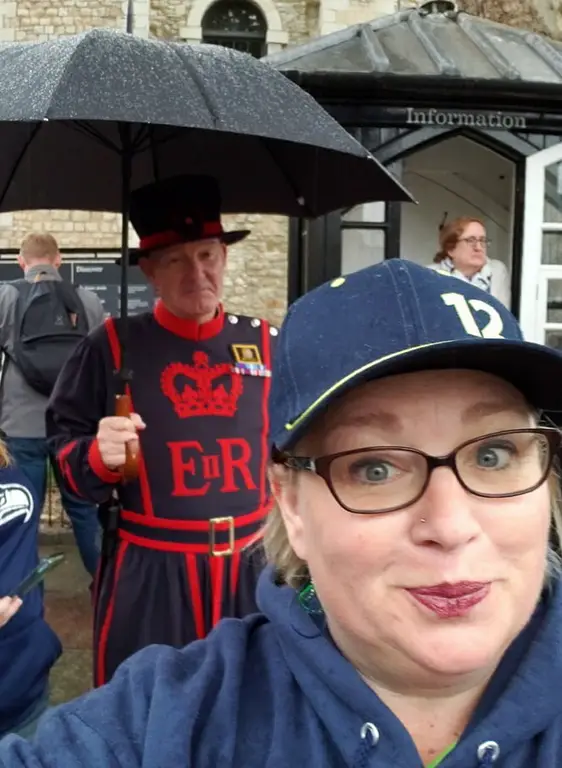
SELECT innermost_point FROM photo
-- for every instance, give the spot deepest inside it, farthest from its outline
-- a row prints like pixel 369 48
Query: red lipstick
pixel 450 601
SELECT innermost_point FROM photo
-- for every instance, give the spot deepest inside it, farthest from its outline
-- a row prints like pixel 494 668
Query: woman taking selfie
pixel 412 608
pixel 463 253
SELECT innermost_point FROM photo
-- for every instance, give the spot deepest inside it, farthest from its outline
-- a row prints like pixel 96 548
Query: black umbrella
pixel 73 106
pixel 86 118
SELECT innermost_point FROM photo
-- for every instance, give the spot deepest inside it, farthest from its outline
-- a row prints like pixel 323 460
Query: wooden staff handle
pixel 130 469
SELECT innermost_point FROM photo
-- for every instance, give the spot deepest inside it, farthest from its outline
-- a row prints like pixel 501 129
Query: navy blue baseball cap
pixel 397 317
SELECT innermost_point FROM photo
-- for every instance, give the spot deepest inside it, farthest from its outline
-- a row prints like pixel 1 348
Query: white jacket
pixel 500 286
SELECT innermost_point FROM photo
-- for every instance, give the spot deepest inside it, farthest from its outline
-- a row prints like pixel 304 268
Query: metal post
pixel 130 18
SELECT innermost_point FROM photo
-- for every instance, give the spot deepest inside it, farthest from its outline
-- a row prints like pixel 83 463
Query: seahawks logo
pixel 15 501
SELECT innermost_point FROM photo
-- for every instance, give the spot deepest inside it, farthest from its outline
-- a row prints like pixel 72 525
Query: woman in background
pixel 463 254
pixel 28 646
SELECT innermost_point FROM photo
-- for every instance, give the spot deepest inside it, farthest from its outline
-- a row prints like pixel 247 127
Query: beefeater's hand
pixel 9 606
pixel 114 432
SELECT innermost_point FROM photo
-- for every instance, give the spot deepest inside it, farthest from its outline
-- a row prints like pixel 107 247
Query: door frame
pixel 532 269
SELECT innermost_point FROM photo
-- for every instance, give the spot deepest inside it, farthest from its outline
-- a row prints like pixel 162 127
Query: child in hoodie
pixel 411 615
pixel 28 646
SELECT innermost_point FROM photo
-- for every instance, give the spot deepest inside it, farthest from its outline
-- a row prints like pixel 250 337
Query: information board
pixel 104 279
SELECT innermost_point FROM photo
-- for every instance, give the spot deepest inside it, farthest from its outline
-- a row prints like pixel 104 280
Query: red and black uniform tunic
pixel 185 554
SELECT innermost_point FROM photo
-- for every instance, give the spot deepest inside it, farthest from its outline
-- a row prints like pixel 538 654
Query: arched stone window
pixel 204 15
pixel 236 24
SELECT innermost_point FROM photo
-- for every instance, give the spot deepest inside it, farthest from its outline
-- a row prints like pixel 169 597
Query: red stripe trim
pixel 160 240
pixel 266 350
pixel 172 546
pixel 196 598
pixel 194 525
pixel 98 467
pixel 65 468
pixel 217 575
pixel 212 229
pixel 106 626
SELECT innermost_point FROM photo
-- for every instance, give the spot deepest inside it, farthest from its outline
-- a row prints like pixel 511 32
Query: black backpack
pixel 50 322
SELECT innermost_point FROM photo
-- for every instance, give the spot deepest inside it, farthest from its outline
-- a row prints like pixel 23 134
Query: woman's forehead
pixel 473 228
pixel 471 394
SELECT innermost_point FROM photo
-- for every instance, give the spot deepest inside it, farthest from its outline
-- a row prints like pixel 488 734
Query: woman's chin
pixel 454 651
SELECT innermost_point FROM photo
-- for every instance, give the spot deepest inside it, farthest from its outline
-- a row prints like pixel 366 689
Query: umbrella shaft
pixel 126 166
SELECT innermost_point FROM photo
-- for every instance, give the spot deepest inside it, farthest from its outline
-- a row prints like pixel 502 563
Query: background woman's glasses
pixel 473 241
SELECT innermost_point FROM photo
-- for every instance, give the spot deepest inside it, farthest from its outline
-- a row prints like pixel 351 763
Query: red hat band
pixel 172 237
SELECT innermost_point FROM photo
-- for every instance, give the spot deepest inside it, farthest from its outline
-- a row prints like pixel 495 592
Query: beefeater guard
pixel 182 542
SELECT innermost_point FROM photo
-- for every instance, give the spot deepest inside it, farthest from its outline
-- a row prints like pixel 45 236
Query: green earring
pixel 309 599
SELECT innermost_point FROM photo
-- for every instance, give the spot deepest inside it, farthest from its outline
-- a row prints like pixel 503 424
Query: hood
pixel 362 727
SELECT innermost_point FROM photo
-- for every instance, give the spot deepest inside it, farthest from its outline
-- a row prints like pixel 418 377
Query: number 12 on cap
pixel 465 310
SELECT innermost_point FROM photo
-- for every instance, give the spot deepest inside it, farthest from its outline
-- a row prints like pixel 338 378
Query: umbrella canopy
pixel 190 109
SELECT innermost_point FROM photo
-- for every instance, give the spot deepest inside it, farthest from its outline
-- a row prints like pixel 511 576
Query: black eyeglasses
pixel 472 241
pixel 387 478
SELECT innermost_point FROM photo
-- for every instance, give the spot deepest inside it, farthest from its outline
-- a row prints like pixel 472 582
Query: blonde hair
pixel 39 247
pixel 293 571
pixel 5 458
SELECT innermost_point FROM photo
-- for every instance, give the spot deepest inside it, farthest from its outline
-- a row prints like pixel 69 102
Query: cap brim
pixel 228 238
pixel 535 370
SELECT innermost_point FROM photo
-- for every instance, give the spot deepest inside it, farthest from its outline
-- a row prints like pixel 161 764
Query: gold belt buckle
pixel 213 522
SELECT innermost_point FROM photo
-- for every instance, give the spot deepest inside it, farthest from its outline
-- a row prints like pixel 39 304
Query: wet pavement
pixel 68 611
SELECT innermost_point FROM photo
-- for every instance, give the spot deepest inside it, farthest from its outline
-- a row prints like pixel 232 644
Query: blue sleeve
pixel 62 740
pixel 134 721
pixel 163 707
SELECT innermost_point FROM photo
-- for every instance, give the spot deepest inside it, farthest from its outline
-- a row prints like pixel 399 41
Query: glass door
pixel 541 279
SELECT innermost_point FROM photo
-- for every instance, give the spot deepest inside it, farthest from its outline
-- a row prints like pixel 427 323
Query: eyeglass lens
pixel 475 240
pixel 384 478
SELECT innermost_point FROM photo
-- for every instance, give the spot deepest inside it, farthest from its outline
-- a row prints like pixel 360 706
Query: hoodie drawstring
pixel 487 753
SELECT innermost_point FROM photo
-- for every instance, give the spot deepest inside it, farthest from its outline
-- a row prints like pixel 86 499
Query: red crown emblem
pixel 205 398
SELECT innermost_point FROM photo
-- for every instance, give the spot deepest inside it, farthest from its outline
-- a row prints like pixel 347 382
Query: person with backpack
pixel 42 320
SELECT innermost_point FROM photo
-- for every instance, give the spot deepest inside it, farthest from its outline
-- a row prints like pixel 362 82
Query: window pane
pixel 554 339
pixel 552 209
pixel 373 212
pixel 234 16
pixel 255 48
pixel 554 305
pixel 551 248
pixel 361 248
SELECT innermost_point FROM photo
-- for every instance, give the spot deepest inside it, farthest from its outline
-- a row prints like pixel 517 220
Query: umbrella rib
pixel 306 211
pixel 200 87
pixel 18 161
pixel 83 127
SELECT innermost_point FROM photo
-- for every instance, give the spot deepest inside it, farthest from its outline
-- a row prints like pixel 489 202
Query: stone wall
pixel 542 16
pixel 256 280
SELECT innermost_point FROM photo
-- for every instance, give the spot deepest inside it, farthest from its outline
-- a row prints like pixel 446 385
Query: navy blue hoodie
pixel 272 691
pixel 28 646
